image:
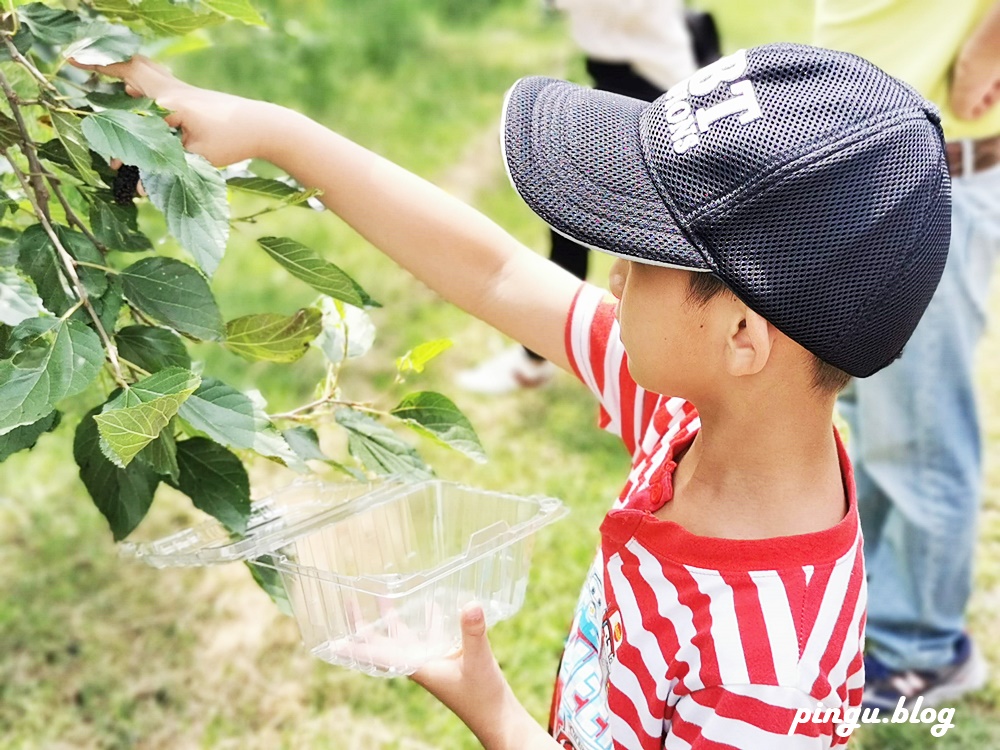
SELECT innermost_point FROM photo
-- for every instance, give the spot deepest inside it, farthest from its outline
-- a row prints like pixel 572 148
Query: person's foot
pixel 509 370
pixel 884 687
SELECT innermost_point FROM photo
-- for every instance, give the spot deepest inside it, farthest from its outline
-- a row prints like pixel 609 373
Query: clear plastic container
pixel 376 576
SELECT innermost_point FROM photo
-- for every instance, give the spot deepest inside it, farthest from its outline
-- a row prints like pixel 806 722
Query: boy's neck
pixel 765 471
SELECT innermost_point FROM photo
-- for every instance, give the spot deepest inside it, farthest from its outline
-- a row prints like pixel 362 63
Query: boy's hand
pixel 471 684
pixel 221 127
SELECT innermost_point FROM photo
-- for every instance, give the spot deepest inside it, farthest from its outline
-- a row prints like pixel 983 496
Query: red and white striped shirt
pixel 682 641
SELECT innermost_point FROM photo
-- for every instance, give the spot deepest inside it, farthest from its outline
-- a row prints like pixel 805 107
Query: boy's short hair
pixel 827 378
pixel 809 181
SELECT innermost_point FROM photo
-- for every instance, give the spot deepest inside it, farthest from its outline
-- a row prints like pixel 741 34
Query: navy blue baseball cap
pixel 811 182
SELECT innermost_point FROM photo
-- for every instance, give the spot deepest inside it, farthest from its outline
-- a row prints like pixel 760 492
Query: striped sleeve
pixel 598 359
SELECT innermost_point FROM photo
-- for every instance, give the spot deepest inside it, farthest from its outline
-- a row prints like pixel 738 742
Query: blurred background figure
pixel 638 48
pixel 914 428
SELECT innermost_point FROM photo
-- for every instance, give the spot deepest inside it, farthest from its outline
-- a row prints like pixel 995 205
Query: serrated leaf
pixel 121 100
pixel 123 496
pixel 153 349
pixel 271 337
pixel 10 134
pixel 162 17
pixel 437 416
pixel 19 298
pixel 232 419
pixel 116 227
pixel 50 25
pixel 380 449
pixel 133 419
pixel 417 358
pixel 47 368
pixel 23 39
pixel 103 43
pixel 108 306
pixel 216 481
pixel 161 456
pixel 270 581
pixel 70 133
pixel 308 266
pixel 9 251
pixel 38 259
pixel 143 141
pixel 176 294
pixel 54 151
pixel 77 244
pixel 275 189
pixel 193 200
pixel 305 442
pixel 6 204
pixel 238 10
pixel 25 437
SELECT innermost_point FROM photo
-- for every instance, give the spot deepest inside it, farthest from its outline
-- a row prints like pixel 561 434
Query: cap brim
pixel 575 157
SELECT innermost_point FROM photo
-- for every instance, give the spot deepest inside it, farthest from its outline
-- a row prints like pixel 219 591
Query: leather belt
pixel 971 156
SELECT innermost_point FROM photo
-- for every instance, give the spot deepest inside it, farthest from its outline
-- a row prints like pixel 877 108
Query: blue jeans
pixel 915 444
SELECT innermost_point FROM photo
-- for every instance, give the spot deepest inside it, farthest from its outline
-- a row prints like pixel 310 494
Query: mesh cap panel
pixel 808 180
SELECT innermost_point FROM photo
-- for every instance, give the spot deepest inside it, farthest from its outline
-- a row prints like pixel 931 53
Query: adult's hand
pixel 221 127
pixel 975 84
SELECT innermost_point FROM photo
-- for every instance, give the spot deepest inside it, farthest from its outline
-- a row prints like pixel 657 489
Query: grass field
pixel 99 653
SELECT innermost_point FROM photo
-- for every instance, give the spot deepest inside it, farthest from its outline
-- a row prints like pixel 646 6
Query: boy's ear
pixel 749 344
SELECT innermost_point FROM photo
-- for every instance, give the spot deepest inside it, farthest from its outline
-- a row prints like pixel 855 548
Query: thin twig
pixel 38 196
pixel 17 56
pixel 303 412
pixel 73 218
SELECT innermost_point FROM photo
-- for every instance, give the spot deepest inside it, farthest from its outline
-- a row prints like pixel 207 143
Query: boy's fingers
pixel 476 651
pixel 141 75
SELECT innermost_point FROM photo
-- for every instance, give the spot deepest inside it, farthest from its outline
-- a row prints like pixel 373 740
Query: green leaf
pixel 23 39
pixel 174 293
pixel 143 141
pixel 47 368
pixel 276 189
pixel 305 442
pixel 121 100
pixel 162 17
pixel 216 482
pixel 108 306
pixel 123 496
pixel 10 133
pixel 49 25
pixel 238 10
pixel 308 266
pixel 9 251
pixel 378 448
pixel 25 437
pixel 19 299
pixel 152 349
pixel 70 133
pixel 272 337
pixel 55 151
pixel 161 455
pixel 133 419
pixel 437 416
pixel 95 281
pixel 193 200
pixel 232 419
pixel 115 226
pixel 417 358
pixel 6 204
pixel 270 581
pixel 102 43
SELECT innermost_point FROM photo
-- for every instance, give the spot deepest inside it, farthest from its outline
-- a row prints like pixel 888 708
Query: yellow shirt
pixel 916 41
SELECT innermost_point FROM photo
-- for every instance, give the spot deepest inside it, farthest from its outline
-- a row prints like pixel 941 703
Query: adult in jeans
pixel 636 48
pixel 914 428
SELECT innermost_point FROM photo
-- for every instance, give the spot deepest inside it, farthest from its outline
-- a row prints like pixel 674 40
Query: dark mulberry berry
pixel 126 180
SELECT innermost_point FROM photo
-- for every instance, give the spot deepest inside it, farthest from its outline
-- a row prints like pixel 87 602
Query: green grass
pixel 99 653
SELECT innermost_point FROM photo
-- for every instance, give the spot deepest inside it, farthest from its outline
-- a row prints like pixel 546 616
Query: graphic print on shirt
pixel 580 713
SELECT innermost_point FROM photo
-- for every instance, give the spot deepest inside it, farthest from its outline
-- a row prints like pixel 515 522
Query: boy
pixel 781 220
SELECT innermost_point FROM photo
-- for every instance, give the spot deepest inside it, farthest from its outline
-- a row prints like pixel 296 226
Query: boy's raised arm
pixel 448 245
